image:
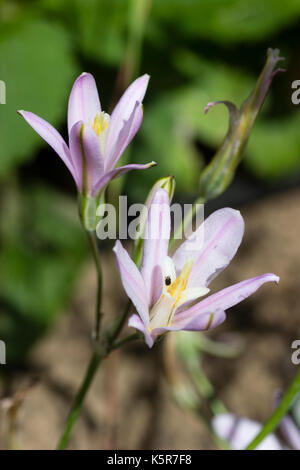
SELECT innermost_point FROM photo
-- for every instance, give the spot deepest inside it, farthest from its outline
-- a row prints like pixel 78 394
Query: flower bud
pixel 219 173
pixel 167 183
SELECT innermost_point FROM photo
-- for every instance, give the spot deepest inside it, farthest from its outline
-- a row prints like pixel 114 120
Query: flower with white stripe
pixel 166 291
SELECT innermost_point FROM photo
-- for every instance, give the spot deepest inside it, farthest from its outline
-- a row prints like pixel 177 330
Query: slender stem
pixel 118 324
pixel 93 242
pixel 100 351
pixel 97 354
pixel 125 340
pixel 138 12
pixel 281 410
pixel 77 405
pixel 95 361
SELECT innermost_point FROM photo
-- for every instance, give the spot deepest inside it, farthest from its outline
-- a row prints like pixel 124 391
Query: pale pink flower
pixel 96 139
pixel 166 290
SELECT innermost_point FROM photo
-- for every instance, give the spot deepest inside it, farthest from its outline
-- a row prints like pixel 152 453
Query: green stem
pixel 138 12
pixel 93 242
pixel 281 410
pixel 121 320
pixel 95 361
pixel 97 355
pixel 127 339
pixel 77 405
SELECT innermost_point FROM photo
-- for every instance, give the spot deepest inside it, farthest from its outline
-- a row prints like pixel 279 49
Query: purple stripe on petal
pixel 85 148
pixel 125 136
pixel 136 322
pixel 52 137
pixel 212 246
pixel 290 432
pixel 226 298
pixel 156 243
pixel 84 101
pixel 76 152
pixel 121 170
pixel 202 322
pixel 132 281
pixel 124 108
pixel 239 432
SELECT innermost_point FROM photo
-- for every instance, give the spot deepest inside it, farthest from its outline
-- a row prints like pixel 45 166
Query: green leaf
pixel 230 21
pixel 39 262
pixel 98 26
pixel 273 150
pixel 38 68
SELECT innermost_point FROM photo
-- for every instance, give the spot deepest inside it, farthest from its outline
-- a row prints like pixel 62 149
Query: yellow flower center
pixel 177 288
pixel 100 126
pixel 162 312
pixel 101 122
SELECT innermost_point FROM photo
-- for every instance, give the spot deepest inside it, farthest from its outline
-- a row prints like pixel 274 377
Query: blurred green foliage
pixel 195 50
pixel 37 67
pixel 43 248
pixel 227 20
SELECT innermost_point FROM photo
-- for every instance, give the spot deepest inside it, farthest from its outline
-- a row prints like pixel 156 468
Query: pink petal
pixel 204 321
pixel 156 242
pixel 290 432
pixel 132 281
pixel 85 147
pixel 52 137
pixel 84 101
pixel 121 170
pixel 124 108
pixel 213 246
pixel 239 432
pixel 126 134
pixel 223 299
pixel 136 322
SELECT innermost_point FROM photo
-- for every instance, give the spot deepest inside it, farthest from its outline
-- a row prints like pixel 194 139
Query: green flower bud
pixel 219 173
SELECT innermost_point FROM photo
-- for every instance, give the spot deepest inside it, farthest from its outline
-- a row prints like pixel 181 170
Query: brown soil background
pixel 129 405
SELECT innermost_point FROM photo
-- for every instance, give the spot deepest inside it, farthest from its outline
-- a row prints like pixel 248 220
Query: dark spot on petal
pixel 168 281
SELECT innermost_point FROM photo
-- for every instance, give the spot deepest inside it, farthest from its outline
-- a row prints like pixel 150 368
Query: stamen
pixel 101 122
pixel 180 282
pixel 173 294
pixel 100 126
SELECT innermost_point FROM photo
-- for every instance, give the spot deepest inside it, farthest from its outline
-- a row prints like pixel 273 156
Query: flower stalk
pixel 77 405
pixel 101 351
pixel 98 316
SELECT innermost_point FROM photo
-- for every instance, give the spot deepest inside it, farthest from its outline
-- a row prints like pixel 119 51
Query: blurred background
pixel 196 51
